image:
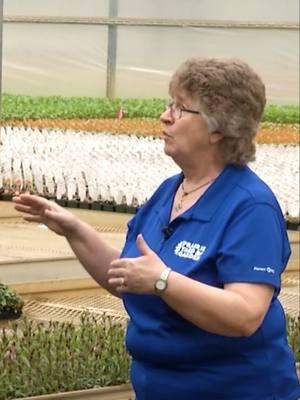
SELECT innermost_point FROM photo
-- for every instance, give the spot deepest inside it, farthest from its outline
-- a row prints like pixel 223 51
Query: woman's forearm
pixel 93 252
pixel 216 310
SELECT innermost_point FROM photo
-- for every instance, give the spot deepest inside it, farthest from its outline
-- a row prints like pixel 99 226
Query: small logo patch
pixel 269 270
pixel 186 249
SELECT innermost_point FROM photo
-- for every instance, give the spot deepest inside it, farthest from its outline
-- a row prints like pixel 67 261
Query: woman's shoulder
pixel 245 191
pixel 254 189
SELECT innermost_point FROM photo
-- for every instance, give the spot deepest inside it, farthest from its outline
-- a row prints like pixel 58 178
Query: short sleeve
pixel 129 235
pixel 254 248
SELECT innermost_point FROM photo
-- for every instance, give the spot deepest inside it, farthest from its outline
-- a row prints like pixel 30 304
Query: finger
pixel 16 199
pixel 33 201
pixel 26 209
pixel 63 219
pixel 33 218
pixel 122 289
pixel 120 263
pixel 22 208
pixel 53 214
pixel 143 246
pixel 117 282
pixel 43 212
pixel 116 272
pixel 27 198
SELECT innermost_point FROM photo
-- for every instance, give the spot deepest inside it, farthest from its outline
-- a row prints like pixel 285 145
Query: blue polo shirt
pixel 234 233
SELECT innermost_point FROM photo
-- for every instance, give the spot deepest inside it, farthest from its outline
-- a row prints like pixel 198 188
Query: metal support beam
pixel 112 51
pixel 1 45
pixel 161 22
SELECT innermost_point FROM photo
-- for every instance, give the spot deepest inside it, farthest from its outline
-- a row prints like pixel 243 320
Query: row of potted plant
pixel 111 207
pixel 98 205
pixel 44 358
pixel 38 358
pixel 54 107
pixel 8 194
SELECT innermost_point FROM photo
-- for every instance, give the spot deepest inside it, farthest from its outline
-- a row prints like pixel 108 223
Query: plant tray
pixel 120 392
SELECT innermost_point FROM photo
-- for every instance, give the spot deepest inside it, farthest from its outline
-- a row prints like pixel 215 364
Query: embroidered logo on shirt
pixel 193 251
pixel 264 269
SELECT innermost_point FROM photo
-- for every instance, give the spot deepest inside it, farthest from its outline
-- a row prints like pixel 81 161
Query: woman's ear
pixel 216 137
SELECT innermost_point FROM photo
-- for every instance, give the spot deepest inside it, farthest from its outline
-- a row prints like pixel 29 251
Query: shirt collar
pixel 205 208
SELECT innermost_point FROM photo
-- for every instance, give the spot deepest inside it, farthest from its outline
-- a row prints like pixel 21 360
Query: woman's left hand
pixel 136 275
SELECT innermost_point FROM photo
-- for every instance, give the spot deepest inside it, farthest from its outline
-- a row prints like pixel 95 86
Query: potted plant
pixel 55 360
pixel 293 333
pixel 11 304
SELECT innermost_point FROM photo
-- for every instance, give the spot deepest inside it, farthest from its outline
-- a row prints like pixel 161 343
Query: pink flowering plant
pixel 43 358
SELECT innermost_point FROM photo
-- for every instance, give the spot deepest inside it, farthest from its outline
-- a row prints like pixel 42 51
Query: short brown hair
pixel 231 97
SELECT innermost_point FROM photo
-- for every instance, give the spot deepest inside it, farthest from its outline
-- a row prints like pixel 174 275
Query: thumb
pixel 55 216
pixel 143 246
pixel 50 213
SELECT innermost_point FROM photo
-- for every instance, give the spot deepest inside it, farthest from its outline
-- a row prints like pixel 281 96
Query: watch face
pixel 160 285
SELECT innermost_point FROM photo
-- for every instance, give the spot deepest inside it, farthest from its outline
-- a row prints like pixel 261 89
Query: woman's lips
pixel 165 134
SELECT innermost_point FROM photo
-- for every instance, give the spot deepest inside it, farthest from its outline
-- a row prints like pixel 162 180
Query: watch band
pixel 162 282
pixel 165 274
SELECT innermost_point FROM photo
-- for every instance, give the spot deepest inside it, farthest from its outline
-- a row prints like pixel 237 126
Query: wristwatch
pixel 162 283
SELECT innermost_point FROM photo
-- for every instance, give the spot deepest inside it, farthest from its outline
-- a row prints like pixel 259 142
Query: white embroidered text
pixel 264 269
pixel 189 250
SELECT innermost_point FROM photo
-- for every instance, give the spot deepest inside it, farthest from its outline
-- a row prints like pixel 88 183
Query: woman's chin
pixel 169 151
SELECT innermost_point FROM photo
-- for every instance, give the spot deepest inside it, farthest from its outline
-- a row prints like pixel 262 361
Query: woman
pixel 200 270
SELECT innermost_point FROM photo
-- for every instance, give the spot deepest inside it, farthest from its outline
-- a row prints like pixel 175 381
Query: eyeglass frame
pixel 169 107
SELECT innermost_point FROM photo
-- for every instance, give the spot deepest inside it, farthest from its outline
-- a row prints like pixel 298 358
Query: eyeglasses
pixel 177 110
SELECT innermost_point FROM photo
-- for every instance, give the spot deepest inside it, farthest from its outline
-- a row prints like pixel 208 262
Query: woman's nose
pixel 165 116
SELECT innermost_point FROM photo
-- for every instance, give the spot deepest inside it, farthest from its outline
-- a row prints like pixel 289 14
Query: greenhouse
pixel 91 114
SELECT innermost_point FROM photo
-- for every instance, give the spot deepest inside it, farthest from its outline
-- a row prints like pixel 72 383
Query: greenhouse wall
pixel 137 53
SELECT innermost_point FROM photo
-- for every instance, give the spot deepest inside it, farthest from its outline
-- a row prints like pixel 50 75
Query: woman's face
pixel 185 133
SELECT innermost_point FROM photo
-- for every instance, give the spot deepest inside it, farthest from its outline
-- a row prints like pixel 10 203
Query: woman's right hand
pixel 40 210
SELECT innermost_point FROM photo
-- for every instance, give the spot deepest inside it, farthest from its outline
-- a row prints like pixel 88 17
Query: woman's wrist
pixel 74 229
